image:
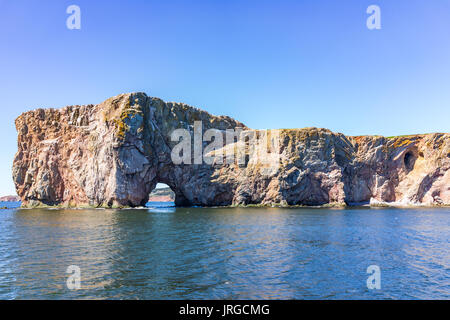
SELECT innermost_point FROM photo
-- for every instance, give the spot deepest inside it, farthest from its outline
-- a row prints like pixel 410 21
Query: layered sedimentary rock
pixel 113 154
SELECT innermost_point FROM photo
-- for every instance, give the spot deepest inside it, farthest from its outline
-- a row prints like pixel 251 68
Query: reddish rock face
pixel 114 153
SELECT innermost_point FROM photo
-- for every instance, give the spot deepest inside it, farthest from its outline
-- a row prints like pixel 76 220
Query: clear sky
pixel 269 64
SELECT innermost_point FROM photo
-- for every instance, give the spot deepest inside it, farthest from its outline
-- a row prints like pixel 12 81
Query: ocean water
pixel 163 252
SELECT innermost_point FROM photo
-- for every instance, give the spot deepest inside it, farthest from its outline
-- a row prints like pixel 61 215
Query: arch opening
pixel 162 194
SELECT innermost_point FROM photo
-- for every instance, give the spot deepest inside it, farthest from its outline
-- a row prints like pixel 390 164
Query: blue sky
pixel 269 64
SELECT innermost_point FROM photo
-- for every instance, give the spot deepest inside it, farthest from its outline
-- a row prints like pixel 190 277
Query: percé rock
pixel 113 154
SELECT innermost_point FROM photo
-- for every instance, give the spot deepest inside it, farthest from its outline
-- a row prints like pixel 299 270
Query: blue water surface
pixel 163 252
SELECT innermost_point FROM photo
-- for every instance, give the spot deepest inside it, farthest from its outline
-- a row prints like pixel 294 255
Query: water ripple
pixel 225 253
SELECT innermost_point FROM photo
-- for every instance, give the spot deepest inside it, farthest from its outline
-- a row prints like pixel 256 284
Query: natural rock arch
pixel 113 154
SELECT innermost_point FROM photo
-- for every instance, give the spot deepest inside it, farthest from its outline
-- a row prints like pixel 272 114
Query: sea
pixel 165 252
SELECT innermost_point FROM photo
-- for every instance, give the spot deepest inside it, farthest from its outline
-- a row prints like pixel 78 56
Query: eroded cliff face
pixel 113 154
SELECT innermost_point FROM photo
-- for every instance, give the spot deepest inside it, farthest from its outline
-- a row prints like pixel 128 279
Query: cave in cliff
pixel 409 160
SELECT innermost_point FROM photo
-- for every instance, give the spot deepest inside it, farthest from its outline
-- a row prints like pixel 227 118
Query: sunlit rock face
pixel 113 154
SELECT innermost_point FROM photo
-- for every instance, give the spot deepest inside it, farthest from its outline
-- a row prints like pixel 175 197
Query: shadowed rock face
pixel 113 154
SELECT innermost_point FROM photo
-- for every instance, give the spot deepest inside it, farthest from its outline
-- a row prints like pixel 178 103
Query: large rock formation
pixel 113 154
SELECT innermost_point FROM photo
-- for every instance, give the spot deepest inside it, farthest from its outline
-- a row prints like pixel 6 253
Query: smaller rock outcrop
pixel 162 195
pixel 10 199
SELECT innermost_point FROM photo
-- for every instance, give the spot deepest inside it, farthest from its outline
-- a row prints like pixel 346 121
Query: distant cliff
pixel 162 195
pixel 113 154
pixel 10 198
